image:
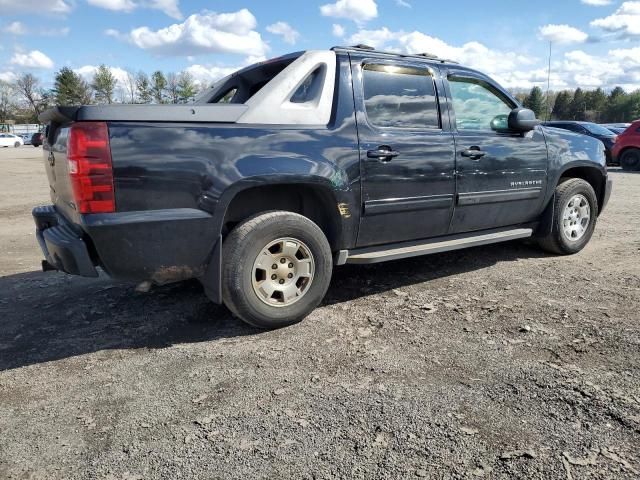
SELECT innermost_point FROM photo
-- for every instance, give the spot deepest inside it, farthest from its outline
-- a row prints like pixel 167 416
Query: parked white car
pixel 10 140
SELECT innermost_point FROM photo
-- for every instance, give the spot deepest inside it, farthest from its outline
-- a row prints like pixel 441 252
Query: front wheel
pixel 630 160
pixel 276 269
pixel 17 144
pixel 575 214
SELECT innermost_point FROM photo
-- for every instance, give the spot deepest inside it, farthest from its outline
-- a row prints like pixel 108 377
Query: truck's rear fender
pixel 204 166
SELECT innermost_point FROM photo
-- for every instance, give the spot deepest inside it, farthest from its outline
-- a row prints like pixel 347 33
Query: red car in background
pixel 626 150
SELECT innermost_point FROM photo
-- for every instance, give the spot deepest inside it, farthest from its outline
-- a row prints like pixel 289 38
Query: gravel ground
pixel 494 362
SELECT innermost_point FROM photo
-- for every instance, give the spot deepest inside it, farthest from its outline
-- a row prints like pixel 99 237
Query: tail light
pixel 90 168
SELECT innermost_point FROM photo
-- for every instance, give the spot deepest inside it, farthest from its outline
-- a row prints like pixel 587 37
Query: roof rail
pixel 368 48
pixel 362 46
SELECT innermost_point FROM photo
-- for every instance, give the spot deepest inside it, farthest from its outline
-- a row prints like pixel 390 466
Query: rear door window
pixel 399 96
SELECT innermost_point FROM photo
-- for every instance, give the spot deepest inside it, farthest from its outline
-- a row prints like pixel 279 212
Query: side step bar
pixel 397 251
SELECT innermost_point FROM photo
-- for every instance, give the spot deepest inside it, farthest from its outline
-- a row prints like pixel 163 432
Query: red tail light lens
pixel 90 168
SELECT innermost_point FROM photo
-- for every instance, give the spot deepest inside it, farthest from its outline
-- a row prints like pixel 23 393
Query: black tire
pixel 630 160
pixel 16 145
pixel 556 241
pixel 241 249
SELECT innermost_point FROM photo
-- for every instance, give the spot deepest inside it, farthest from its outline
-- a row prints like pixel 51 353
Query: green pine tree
pixel 104 83
pixel 70 89
pixel 578 105
pixel 143 85
pixel 562 106
pixel 535 101
pixel 158 86
pixel 186 87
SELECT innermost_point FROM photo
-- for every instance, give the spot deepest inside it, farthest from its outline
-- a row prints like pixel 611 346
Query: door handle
pixel 382 153
pixel 473 153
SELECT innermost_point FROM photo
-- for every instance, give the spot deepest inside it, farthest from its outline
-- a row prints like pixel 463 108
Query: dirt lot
pixel 495 362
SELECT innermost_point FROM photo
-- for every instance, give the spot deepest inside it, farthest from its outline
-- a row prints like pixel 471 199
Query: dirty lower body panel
pixel 161 246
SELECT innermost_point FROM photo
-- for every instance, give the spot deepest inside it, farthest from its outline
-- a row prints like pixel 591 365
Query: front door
pixel 407 157
pixel 501 177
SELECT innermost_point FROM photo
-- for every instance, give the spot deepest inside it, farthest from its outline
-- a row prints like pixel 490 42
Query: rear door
pixel 501 177
pixel 407 157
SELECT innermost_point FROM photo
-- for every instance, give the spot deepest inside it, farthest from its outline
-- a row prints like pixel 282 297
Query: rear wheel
pixel 574 218
pixel 276 269
pixel 630 160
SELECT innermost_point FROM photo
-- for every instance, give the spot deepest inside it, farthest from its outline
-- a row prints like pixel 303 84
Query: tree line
pixel 25 98
pixel 596 105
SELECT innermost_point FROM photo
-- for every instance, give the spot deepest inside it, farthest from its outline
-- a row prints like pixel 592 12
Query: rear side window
pixel 228 97
pixel 400 97
pixel 310 87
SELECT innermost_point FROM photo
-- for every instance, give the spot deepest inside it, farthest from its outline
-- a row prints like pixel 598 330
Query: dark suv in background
pixel 594 130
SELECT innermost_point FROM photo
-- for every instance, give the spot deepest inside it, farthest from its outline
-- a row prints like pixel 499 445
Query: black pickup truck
pixel 289 167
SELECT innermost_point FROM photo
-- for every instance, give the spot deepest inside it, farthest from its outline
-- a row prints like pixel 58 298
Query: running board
pixel 397 251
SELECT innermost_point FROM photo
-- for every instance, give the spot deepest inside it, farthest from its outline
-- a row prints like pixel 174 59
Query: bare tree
pixel 28 86
pixel 6 103
pixel 130 85
pixel 173 87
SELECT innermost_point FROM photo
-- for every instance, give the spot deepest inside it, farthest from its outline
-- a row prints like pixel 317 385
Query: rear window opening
pixel 241 86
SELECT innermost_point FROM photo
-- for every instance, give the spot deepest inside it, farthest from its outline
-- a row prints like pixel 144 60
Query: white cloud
pixel 18 28
pixel 8 77
pixel 403 3
pixel 205 76
pixel 288 33
pixel 625 20
pixel 15 28
pixel 562 34
pixel 33 59
pixel 169 7
pixel 497 63
pixel 338 30
pixel 597 3
pixel 515 69
pixel 206 32
pixel 35 6
pixel 627 55
pixel 359 11
pixel 116 5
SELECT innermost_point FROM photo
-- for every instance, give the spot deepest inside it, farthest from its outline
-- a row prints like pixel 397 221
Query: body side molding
pixel 394 205
pixel 498 196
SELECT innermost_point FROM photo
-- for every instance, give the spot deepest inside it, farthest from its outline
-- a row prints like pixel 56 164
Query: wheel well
pixel 314 202
pixel 591 176
pixel 626 149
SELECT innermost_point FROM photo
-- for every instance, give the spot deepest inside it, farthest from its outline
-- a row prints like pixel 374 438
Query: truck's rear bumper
pixel 62 245
pixel 161 246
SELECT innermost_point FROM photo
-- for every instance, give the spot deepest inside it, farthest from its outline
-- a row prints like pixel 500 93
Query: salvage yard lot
pixel 498 361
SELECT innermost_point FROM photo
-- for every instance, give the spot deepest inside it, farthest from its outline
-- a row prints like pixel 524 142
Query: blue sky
pixel 595 42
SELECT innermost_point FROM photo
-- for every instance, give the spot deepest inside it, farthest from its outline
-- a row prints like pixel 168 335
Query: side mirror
pixel 522 120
